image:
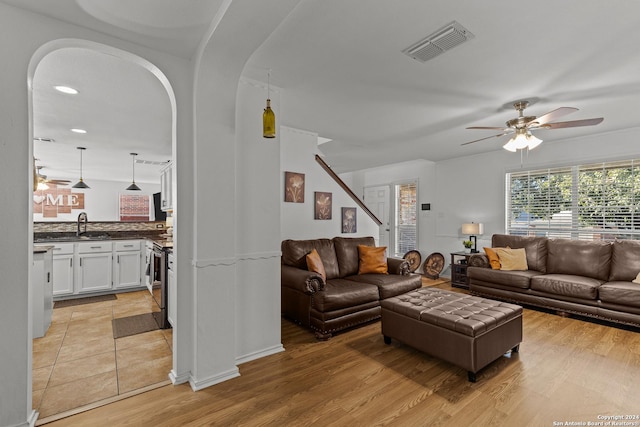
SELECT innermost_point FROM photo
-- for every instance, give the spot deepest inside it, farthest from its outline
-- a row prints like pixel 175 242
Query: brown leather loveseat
pixel 345 298
pixel 589 278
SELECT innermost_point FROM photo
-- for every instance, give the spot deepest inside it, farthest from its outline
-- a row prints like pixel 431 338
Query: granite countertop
pixel 163 240
pixel 40 249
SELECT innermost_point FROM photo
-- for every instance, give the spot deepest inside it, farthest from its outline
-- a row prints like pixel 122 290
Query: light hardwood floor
pixel 568 370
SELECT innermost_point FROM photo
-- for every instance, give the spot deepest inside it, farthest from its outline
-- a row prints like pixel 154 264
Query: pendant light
pixel 268 118
pixel 81 183
pixel 133 185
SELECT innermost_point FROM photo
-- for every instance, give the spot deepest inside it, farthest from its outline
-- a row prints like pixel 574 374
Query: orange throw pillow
pixel 512 259
pixel 494 260
pixel 314 263
pixel 372 259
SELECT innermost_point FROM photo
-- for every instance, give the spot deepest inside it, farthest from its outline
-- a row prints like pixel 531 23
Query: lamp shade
pixel 473 228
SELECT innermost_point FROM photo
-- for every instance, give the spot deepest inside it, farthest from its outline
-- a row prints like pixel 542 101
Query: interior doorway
pixel 74 368
pixel 378 199
pixel 396 205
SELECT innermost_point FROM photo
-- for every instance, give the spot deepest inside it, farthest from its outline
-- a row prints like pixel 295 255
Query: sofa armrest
pixel 398 266
pixel 304 281
pixel 479 260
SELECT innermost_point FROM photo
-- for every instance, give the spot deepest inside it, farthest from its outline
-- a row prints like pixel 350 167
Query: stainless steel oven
pixel 159 285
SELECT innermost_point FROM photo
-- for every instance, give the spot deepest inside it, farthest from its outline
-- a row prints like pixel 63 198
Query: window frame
pixel 594 201
pixel 398 250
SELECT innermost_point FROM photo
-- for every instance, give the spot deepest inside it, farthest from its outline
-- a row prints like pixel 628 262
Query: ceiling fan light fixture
pixel 80 183
pixel 533 142
pixel 522 139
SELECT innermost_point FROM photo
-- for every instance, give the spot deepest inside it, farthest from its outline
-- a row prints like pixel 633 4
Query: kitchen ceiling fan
pixel 522 126
pixel 41 180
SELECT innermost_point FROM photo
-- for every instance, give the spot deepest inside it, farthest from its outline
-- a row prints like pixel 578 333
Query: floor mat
pixel 132 325
pixel 80 301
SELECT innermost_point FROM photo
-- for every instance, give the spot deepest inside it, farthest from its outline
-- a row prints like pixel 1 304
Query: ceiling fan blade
pixel 487 127
pixel 488 137
pixel 553 115
pixel 573 123
pixel 59 181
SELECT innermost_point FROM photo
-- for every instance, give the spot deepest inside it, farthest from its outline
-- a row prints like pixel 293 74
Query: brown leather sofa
pixel 346 298
pixel 588 278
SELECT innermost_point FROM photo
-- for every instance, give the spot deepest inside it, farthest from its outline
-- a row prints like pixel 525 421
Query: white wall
pixel 298 150
pixel 22 37
pixel 102 201
pixel 258 232
pixel 472 188
pixel 421 171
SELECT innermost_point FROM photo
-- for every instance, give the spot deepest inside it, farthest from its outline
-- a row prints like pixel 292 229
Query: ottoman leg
pixel 387 340
pixel 471 376
pixel 516 349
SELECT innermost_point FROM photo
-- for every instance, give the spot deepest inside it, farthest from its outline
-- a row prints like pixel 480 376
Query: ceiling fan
pixel 41 181
pixel 522 126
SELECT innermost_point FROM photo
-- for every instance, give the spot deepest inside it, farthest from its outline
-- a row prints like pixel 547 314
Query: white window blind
pixel 591 202
pixel 406 210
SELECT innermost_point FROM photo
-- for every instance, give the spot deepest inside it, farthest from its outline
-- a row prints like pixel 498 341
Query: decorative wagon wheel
pixel 433 265
pixel 414 259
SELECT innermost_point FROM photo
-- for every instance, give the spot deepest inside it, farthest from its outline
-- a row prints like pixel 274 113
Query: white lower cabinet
pixel 94 271
pixel 63 264
pixel 127 264
pixel 172 294
pixel 42 292
pixel 97 266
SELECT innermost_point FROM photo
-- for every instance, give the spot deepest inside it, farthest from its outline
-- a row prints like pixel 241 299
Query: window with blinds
pixel 405 218
pixel 591 202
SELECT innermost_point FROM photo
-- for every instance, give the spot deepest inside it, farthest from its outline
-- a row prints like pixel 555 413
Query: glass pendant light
pixel 268 118
pixel 133 186
pixel 81 183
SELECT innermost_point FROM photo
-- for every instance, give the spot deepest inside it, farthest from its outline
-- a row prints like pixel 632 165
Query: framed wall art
pixel 349 218
pixel 294 187
pixel 322 205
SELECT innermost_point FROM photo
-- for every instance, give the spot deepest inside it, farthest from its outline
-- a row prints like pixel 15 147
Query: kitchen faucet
pixel 82 219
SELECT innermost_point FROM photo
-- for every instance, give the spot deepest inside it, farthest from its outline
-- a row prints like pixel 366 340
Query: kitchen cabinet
pixel 42 290
pixel 63 269
pixel 127 264
pixel 95 266
pixel 171 291
pixel 166 187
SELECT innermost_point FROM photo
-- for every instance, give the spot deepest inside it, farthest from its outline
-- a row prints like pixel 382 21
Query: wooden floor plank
pixel 567 370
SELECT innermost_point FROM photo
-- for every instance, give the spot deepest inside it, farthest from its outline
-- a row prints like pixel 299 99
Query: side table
pixel 459 264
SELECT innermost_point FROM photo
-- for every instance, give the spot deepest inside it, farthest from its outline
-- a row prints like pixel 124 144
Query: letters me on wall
pixel 56 200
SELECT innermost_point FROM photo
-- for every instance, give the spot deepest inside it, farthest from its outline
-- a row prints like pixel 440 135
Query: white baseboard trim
pixel 178 379
pixel 259 354
pixel 197 385
pixel 33 417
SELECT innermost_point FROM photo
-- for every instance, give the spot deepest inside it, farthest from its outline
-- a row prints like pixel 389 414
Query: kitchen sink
pixel 72 237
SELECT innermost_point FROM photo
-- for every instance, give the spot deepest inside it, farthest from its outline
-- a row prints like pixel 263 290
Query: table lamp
pixel 473 229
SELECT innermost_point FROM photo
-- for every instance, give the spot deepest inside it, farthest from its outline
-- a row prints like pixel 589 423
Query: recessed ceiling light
pixel 66 89
pixel 78 130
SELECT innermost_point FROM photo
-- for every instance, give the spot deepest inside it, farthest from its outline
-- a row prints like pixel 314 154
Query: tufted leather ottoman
pixel 464 330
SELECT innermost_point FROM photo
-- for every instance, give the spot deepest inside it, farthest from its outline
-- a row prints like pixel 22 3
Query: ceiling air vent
pixel 151 162
pixel 447 37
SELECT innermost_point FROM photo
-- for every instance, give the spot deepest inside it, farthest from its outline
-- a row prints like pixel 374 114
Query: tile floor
pixel 78 362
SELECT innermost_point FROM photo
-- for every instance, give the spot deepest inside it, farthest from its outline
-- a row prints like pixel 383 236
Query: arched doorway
pixel 126 61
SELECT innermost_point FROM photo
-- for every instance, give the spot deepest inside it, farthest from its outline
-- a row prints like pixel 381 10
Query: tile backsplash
pixel 65 227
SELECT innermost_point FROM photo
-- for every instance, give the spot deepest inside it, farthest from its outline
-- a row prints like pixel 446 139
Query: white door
pixel 377 200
